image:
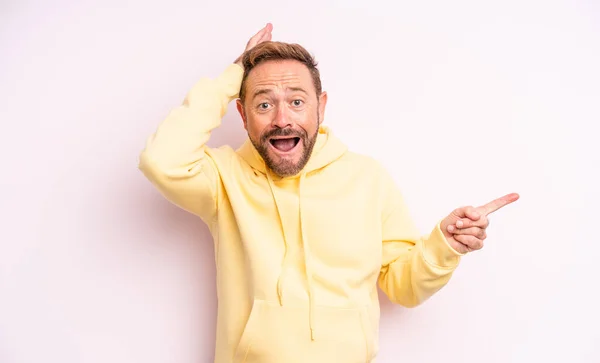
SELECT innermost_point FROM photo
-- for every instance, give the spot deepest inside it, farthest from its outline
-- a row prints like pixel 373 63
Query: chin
pixel 287 163
pixel 287 158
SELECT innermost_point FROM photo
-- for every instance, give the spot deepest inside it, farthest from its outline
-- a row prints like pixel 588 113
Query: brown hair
pixel 274 51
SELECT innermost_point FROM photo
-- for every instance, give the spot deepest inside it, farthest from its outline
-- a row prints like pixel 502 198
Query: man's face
pixel 282 114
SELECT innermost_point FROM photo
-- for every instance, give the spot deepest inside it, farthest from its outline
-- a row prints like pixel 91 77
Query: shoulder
pixel 364 163
pixel 224 157
pixel 363 170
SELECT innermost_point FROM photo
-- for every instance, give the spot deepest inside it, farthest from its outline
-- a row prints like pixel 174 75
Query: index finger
pixel 498 203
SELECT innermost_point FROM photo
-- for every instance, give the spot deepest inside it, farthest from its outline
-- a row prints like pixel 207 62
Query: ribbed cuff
pixel 437 251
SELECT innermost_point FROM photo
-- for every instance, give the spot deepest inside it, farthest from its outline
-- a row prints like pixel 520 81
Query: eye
pixel 297 103
pixel 263 106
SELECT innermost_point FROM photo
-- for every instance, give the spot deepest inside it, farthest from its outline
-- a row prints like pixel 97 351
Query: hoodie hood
pixel 327 149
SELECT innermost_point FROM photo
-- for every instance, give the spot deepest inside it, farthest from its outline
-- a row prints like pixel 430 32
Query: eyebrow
pixel 264 91
pixel 297 89
pixel 261 92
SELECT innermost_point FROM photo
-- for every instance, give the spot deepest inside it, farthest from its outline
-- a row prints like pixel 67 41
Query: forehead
pixel 281 75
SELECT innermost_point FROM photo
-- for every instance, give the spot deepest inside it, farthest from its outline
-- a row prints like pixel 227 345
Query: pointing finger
pixel 498 203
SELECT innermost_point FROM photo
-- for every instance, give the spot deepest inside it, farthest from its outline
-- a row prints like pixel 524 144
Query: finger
pixel 256 37
pixel 266 34
pixel 268 37
pixel 265 38
pixel 472 242
pixel 469 212
pixel 498 203
pixel 471 231
pixel 461 248
pixel 482 222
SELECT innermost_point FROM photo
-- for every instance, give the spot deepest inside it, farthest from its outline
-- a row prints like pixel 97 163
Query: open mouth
pixel 284 144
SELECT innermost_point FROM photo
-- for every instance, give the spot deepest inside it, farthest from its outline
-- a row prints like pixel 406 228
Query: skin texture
pixel 282 102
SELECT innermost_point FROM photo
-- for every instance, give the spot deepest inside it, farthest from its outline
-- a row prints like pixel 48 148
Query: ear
pixel 322 105
pixel 240 108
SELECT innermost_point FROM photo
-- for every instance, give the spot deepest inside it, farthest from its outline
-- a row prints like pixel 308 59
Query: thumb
pixel 450 220
pixel 456 215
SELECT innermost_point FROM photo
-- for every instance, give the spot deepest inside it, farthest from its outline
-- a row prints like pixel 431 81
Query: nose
pixel 282 118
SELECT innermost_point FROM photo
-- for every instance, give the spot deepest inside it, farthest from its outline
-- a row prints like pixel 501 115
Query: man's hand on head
pixel 263 35
pixel 465 228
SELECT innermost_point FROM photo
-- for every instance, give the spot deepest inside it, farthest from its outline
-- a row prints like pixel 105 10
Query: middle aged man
pixel 304 229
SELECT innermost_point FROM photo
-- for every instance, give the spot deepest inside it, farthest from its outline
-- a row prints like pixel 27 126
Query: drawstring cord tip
pixel 279 293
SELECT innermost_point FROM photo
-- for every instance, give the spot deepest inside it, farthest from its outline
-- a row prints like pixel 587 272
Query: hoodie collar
pixel 327 149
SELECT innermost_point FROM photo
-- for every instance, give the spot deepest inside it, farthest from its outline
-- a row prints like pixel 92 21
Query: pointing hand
pixel 465 227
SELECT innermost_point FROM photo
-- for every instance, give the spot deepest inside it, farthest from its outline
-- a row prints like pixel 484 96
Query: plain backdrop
pixel 463 101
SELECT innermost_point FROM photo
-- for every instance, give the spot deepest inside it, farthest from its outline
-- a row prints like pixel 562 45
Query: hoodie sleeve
pixel 175 158
pixel 414 267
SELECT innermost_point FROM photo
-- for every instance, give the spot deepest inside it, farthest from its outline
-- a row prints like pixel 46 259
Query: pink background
pixel 463 101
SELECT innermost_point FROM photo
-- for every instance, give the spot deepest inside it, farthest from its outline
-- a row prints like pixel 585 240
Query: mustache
pixel 284 132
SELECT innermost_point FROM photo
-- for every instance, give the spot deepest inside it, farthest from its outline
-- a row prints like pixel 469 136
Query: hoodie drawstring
pixel 285 243
pixel 307 265
pixel 311 293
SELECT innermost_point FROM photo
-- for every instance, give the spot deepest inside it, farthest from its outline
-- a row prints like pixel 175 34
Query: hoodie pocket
pixel 276 334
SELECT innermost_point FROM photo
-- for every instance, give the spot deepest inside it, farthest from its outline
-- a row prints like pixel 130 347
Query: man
pixel 304 229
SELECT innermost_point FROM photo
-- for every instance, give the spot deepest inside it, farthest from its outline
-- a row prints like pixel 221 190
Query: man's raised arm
pixel 175 158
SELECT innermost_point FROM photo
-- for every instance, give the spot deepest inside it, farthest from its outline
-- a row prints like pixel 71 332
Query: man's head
pixel 281 104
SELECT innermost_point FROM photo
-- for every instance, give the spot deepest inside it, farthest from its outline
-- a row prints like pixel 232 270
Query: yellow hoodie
pixel 298 258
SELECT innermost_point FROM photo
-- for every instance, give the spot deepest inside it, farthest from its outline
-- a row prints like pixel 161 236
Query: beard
pixel 285 167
